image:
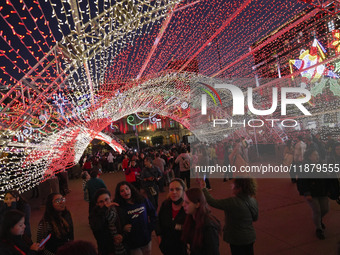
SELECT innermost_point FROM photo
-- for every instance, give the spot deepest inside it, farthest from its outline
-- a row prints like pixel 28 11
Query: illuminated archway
pixel 71 68
pixel 171 94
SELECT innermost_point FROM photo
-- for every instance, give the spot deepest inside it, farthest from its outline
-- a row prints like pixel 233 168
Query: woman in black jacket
pixel 105 225
pixel 314 187
pixel 240 211
pixel 13 241
pixel 171 217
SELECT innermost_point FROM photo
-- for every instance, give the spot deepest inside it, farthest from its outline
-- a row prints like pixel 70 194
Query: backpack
pixel 186 163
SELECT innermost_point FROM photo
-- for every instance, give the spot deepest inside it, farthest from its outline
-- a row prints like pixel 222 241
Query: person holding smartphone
pixel 43 242
pixel 57 221
pixel 13 240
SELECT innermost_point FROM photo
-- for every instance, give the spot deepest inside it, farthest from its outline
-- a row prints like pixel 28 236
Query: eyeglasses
pixel 59 200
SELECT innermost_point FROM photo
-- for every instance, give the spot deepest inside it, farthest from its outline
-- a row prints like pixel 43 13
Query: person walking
pixel 204 161
pixel 299 150
pixel 288 153
pixel 235 158
pixel 160 163
pixel 92 186
pixel 110 161
pixel 315 190
pixel 245 148
pixel 184 166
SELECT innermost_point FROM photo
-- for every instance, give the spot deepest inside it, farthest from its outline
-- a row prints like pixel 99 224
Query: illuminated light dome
pixel 70 68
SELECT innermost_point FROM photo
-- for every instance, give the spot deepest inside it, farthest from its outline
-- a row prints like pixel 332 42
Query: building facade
pixel 150 129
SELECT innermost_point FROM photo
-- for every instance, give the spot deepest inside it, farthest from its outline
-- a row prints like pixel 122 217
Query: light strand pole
pixel 77 19
pixel 136 133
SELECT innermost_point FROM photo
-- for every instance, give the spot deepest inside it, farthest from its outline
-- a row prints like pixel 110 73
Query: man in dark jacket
pixel 150 175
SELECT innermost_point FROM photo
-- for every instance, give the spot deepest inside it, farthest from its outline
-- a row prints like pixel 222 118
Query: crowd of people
pixel 123 223
pixel 316 186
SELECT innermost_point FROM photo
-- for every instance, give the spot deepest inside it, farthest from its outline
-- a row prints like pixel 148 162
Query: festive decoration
pixel 316 73
pixel 310 58
pixel 71 68
pixel 336 42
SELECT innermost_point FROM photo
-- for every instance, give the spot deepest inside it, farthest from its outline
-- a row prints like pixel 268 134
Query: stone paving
pixel 284 227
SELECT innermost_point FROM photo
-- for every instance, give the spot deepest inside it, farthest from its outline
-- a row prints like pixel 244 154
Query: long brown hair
pixel 136 197
pixel 59 221
pixel 247 186
pixel 193 228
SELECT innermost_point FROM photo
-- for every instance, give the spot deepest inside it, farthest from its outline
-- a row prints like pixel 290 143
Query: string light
pixel 67 72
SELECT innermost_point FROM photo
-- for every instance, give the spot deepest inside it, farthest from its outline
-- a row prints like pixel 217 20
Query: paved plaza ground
pixel 284 227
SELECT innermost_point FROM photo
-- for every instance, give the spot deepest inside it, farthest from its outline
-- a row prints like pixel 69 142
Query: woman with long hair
pixel 57 221
pixel 240 211
pixel 13 200
pixel 200 229
pixel 137 216
pixel 105 224
pixel 171 217
pixel 13 241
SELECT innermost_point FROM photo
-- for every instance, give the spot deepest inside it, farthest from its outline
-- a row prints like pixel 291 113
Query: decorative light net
pixel 70 68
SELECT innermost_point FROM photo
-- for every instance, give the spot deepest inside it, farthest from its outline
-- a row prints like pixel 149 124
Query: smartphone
pixel 42 243
pixel 204 177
